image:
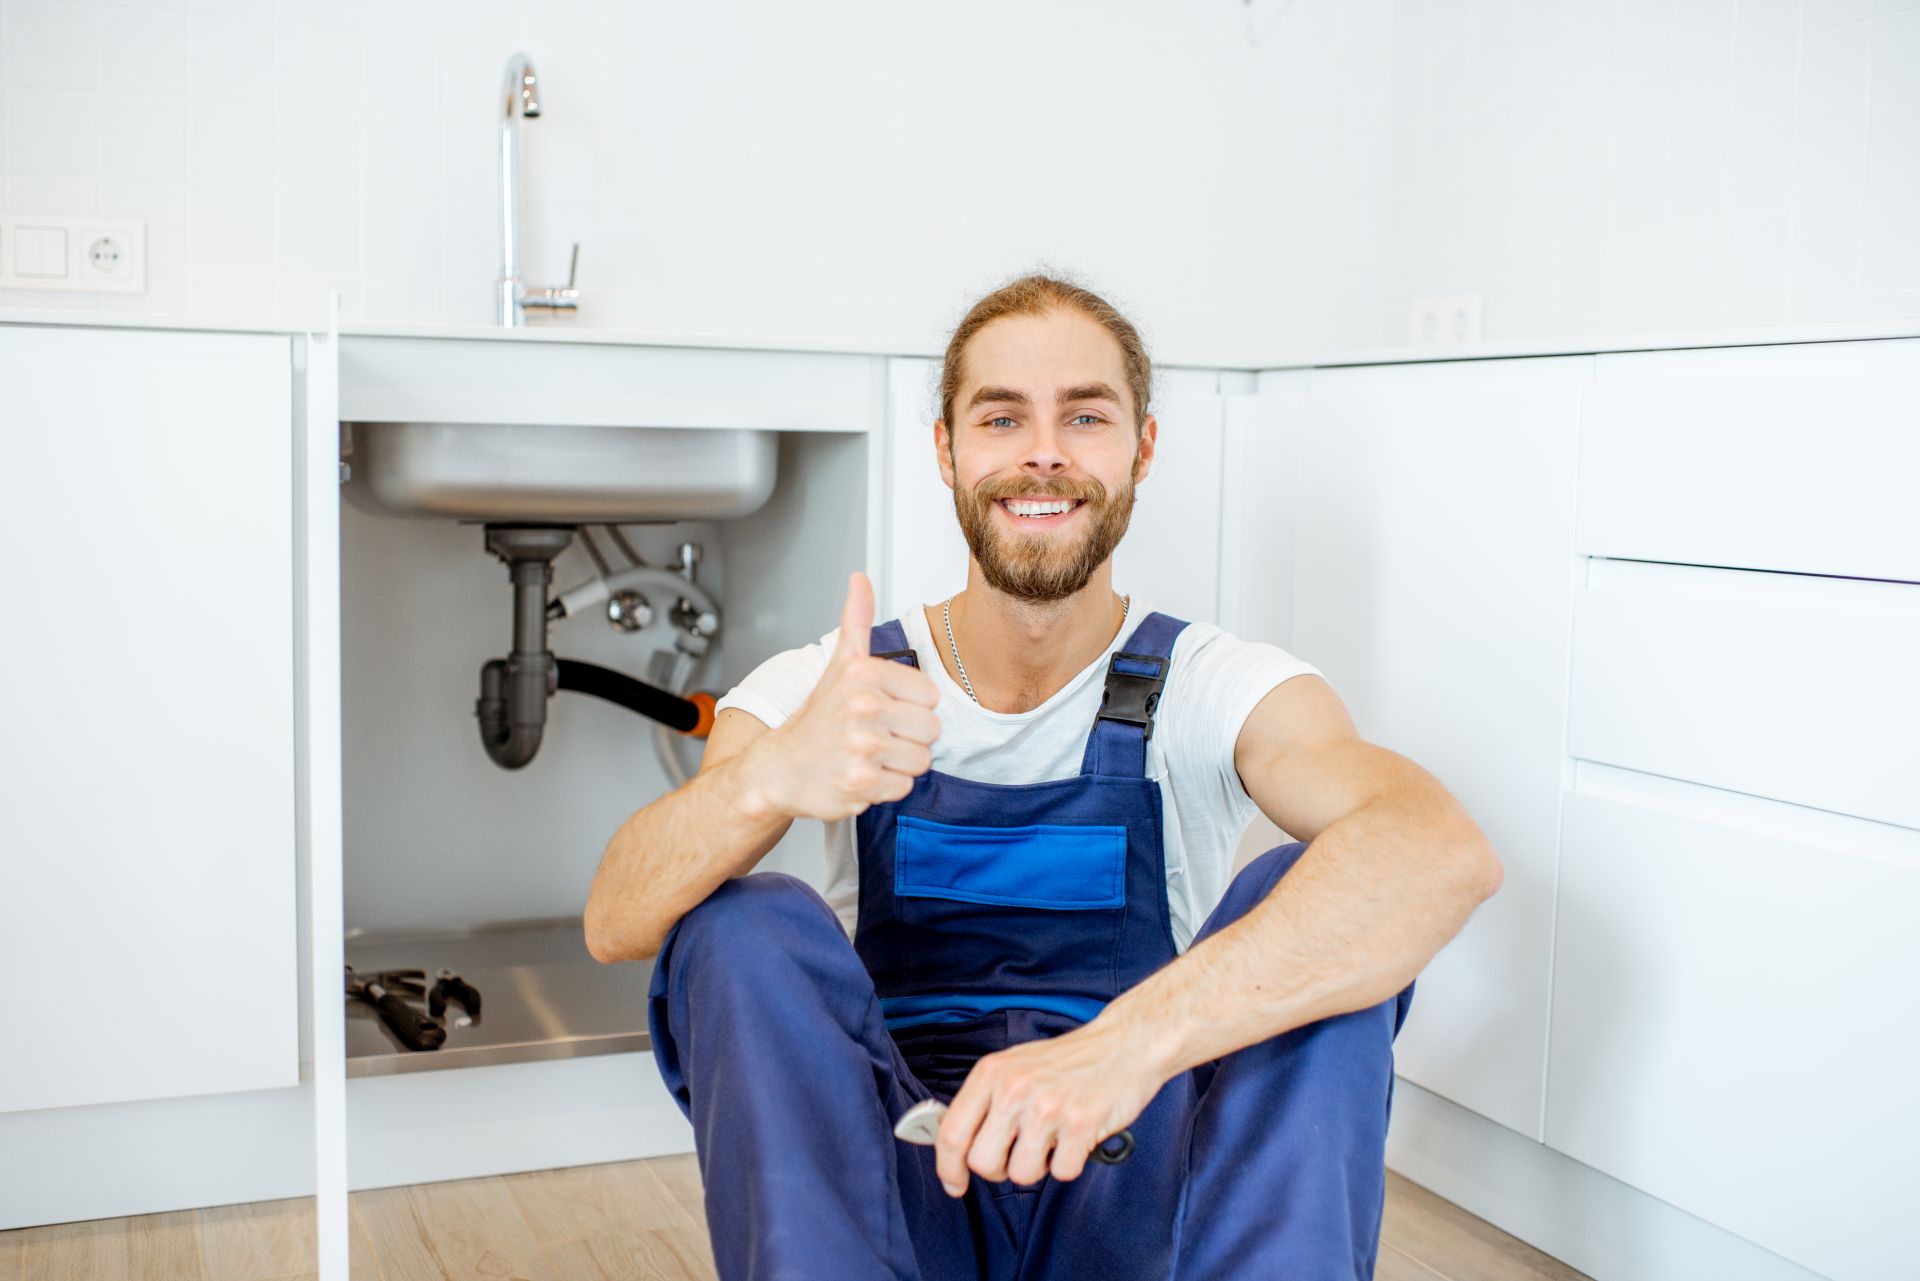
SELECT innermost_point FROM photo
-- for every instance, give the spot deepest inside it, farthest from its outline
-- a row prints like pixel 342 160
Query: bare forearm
pixel 671 854
pixel 1370 902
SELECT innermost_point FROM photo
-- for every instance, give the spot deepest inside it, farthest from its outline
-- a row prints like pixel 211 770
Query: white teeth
pixel 1030 508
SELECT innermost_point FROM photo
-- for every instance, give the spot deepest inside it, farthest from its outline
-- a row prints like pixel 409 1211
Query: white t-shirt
pixel 1213 684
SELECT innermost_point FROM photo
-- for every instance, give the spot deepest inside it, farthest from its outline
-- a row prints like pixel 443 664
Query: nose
pixel 1044 455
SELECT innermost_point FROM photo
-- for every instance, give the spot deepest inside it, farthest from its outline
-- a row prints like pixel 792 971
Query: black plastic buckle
pixel 1131 697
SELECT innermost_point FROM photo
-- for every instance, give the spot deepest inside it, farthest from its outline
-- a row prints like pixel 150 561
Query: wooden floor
pixel 636 1219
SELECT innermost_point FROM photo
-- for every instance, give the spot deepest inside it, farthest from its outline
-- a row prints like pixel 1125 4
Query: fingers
pixel 856 619
pixel 955 1138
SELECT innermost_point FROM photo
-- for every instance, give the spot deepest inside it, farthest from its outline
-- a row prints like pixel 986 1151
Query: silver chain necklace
pixel 946 616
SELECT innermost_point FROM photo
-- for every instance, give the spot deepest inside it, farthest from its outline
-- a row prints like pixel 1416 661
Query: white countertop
pixel 564 332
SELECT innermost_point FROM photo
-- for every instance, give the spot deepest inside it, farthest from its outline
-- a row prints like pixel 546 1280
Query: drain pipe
pixel 512 708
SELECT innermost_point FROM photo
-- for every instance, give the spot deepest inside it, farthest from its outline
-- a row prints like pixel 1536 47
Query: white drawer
pixel 1732 1026
pixel 1798 457
pixel 1792 686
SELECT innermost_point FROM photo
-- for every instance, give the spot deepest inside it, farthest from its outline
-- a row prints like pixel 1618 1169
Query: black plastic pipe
pixel 635 695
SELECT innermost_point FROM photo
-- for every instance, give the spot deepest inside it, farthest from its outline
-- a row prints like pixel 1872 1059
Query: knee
pixel 755 911
pixel 1251 884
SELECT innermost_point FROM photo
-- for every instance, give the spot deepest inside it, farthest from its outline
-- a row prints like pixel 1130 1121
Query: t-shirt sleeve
pixel 775 689
pixel 1222 681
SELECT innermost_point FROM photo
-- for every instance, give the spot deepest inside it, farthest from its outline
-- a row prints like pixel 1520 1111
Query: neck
pixel 1019 653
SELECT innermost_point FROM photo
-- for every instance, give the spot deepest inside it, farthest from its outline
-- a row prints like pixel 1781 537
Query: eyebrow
pixel 1010 396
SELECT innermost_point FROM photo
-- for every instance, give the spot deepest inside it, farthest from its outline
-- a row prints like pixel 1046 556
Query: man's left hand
pixel 1043 1104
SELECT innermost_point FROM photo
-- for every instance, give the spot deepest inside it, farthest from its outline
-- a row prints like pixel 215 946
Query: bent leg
pixel 768 1034
pixel 1287 1159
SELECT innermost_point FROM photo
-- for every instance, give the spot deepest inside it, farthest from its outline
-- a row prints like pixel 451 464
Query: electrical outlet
pixel 1445 318
pixel 91 255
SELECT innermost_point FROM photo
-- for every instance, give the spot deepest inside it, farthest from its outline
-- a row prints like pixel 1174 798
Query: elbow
pixel 1488 874
pixel 610 945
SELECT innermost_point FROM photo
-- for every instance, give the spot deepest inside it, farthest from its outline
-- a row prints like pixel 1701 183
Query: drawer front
pixel 1786 458
pixel 1791 686
pixel 1733 983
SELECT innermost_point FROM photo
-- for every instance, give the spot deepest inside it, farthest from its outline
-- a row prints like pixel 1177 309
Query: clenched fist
pixel 865 731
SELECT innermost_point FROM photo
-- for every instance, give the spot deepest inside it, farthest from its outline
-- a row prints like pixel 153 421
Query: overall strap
pixel 889 640
pixel 1136 674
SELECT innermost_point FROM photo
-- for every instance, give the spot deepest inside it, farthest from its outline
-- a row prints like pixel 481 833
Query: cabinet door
pixel 1170 554
pixel 147 914
pixel 1732 1014
pixel 1433 571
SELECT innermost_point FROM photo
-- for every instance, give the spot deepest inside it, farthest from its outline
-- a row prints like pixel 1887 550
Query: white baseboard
pixel 463 1123
pixel 62 1165
pixel 1586 1219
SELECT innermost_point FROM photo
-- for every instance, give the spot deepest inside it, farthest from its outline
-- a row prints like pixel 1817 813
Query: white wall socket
pixel 1445 318
pixel 94 255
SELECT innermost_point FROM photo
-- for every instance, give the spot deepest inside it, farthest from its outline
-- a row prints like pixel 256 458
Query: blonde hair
pixel 1036 295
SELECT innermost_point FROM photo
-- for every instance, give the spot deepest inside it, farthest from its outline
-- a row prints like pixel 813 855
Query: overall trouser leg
pixel 769 1036
pixel 1286 1167
pixel 1267 1162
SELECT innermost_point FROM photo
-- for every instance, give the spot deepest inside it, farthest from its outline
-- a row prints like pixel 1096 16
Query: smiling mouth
pixel 1049 518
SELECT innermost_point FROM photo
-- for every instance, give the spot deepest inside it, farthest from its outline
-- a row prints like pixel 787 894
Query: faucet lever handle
pixel 573 265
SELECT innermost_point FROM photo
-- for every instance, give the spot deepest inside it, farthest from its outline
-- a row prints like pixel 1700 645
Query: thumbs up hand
pixel 864 733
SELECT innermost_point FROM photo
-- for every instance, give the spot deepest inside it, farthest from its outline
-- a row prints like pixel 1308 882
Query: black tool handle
pixel 415 1030
pixel 1125 1150
pixel 459 990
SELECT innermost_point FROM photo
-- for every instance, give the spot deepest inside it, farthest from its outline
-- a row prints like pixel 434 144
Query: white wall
pixel 855 170
pixel 1246 179
pixel 1636 166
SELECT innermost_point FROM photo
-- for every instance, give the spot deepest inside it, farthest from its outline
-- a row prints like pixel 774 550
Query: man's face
pixel 1043 412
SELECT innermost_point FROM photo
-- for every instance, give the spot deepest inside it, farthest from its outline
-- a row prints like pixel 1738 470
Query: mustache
pixel 1090 490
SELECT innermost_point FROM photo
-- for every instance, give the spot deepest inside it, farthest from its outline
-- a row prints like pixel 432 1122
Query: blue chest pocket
pixel 1064 867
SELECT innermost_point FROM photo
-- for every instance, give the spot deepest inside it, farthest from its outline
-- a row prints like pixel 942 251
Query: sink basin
pixel 559 474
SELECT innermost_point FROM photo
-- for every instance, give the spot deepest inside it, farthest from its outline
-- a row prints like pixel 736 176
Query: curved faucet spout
pixel 521 86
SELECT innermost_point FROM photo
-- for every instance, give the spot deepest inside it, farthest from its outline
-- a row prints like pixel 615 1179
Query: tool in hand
pixel 921 1124
pixel 383 991
pixel 451 986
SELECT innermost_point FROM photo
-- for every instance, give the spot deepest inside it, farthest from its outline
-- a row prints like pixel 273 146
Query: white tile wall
pixel 1611 166
pixel 1245 178
pixel 853 170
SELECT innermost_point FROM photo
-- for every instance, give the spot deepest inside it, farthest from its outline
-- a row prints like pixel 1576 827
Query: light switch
pixel 40 252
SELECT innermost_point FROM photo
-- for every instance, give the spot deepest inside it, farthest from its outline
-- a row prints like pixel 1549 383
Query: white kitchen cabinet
pixel 147 861
pixel 1170 553
pixel 1733 981
pixel 1793 686
pixel 1793 457
pixel 1432 578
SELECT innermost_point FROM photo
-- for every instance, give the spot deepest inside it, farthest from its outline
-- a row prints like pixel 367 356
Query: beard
pixel 1044 565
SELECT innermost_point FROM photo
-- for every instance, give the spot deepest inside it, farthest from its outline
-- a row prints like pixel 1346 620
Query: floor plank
pixel 478 1232
pixel 1457 1245
pixel 1392 1265
pixel 94 1251
pixel 257 1240
pixel 681 1177
pixel 584 1201
pixel 666 1254
pixel 395 1236
pixel 166 1245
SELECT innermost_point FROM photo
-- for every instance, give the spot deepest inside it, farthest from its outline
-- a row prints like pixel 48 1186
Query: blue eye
pixel 1001 419
pixel 1095 417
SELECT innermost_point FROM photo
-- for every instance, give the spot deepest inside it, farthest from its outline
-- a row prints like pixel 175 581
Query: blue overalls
pixel 989 915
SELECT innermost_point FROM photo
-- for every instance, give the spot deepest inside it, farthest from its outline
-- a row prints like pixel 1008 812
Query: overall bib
pixel 990 915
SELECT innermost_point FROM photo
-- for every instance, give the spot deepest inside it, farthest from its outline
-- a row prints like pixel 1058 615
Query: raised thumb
pixel 856 619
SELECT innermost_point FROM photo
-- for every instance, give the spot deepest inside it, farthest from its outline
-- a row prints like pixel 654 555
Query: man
pixel 1032 792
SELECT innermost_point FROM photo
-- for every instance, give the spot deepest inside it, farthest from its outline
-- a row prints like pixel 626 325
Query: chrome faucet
pixel 520 94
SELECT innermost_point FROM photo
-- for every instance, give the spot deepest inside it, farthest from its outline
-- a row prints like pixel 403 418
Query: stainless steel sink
pixel 562 474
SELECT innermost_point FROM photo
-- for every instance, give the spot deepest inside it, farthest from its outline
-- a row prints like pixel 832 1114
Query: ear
pixel 942 447
pixel 1149 433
